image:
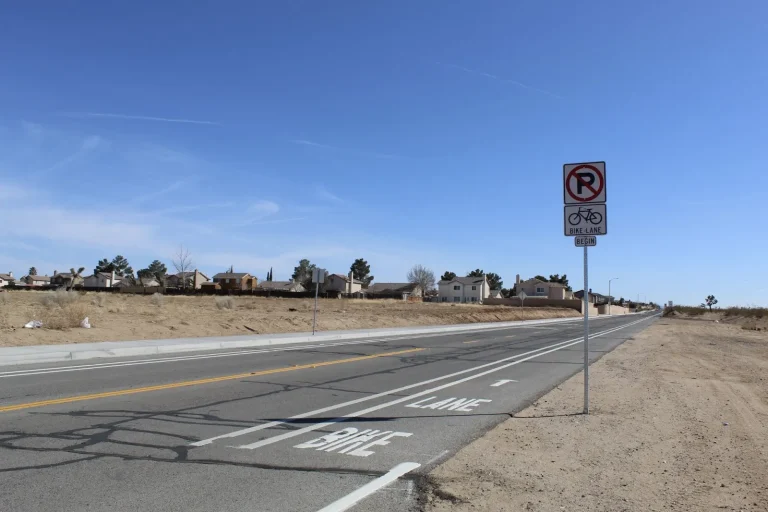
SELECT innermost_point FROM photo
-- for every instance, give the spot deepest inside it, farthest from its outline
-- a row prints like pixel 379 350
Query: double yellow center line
pixel 160 387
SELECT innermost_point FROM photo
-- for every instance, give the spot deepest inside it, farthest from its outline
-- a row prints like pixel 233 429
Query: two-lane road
pixel 295 428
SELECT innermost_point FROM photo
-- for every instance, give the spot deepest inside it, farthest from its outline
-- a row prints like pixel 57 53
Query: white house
pixel 342 283
pixel 464 290
pixel 7 279
pixel 101 280
pixel 36 280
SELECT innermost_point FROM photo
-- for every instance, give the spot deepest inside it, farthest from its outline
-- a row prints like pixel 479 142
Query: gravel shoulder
pixel 679 422
pixel 120 317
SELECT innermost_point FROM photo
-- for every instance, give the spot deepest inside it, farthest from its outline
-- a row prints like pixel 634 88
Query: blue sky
pixel 402 132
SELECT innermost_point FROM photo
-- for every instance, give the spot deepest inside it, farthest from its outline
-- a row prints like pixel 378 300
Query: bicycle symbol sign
pixel 581 220
pixel 584 183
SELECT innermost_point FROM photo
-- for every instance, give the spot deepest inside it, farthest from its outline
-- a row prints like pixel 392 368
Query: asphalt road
pixel 293 428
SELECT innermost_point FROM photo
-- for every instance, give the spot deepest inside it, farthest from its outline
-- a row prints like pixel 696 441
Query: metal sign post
pixel 318 276
pixel 586 332
pixel 585 217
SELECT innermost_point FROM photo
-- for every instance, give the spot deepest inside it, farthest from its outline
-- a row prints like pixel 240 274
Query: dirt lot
pixel 116 317
pixel 679 422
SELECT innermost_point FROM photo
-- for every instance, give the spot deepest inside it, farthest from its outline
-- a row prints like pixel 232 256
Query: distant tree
pixel 32 271
pixel 494 281
pixel 74 277
pixel 542 278
pixel 562 280
pixel 621 301
pixel 422 276
pixel 182 262
pixel 361 271
pixel 156 270
pixel 710 301
pixel 119 264
pixel 505 292
pixel 448 276
pixel 303 273
pixel 476 273
pixel 270 276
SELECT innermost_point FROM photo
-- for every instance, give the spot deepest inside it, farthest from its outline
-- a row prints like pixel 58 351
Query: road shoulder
pixel 678 419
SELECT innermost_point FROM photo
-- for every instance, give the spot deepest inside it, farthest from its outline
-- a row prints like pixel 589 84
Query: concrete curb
pixel 83 351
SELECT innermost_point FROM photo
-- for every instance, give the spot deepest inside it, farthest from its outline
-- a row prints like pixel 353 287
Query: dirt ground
pixel 116 317
pixel 679 423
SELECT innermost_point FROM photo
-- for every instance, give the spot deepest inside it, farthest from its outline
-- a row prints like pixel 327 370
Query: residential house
pixel 194 280
pixel 101 280
pixel 64 279
pixel 148 282
pixel 534 288
pixel 594 298
pixel 406 289
pixel 464 290
pixel 495 294
pixel 235 281
pixel 7 280
pixel 36 280
pixel 342 283
pixel 283 286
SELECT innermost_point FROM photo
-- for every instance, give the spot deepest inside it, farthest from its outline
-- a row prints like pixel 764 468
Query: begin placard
pixel 585 241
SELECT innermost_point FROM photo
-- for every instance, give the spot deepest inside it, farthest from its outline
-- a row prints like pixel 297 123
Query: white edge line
pixel 353 498
pixel 437 457
pixel 316 426
pixel 272 424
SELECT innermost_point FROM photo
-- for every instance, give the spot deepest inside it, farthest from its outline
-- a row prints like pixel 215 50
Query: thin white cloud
pixel 191 208
pixel 310 143
pixel 326 195
pixel 263 208
pixel 256 222
pixel 176 185
pixel 500 79
pixel 88 145
pixel 137 118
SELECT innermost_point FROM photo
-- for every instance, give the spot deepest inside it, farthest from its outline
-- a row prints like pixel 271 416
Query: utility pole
pixel 610 297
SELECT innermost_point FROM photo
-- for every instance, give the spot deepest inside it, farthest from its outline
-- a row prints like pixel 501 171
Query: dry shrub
pixel 225 302
pixel 100 300
pixel 59 298
pixel 157 299
pixel 69 315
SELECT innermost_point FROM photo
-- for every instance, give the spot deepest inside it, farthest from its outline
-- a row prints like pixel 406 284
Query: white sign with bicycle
pixel 589 219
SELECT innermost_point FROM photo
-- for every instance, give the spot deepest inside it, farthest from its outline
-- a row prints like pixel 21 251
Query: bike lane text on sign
pixel 584 183
pixel 581 220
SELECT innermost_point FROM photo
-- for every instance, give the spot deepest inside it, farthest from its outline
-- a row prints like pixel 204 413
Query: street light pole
pixel 610 297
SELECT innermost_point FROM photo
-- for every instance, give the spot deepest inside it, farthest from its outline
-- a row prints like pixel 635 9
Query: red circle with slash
pixel 595 191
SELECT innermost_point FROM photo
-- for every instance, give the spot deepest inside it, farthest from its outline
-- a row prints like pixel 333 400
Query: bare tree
pixel 422 276
pixel 182 261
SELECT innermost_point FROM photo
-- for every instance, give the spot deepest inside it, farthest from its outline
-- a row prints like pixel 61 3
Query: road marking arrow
pixel 501 382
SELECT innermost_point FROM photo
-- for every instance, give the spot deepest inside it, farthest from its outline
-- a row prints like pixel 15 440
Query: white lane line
pixel 501 382
pixel 271 424
pixel 353 498
pixel 316 426
pixel 437 457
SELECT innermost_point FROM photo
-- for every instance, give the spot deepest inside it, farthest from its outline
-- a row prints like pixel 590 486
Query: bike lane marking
pixel 272 424
pixel 316 426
